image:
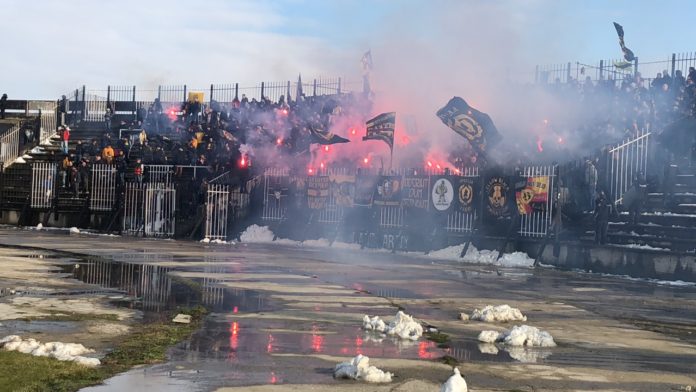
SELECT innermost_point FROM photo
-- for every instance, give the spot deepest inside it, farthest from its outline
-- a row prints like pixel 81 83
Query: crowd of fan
pixel 222 137
pixel 611 109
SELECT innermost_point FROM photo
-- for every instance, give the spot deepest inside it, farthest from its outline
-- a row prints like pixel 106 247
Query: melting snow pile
pixel 402 326
pixel 75 230
pixel 473 255
pixel 39 226
pixel 60 351
pixel 359 368
pixel 256 233
pixel 455 383
pixel 522 335
pixel 500 313
pixel 205 240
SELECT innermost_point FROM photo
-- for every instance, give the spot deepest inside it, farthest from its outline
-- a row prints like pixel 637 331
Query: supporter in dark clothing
pixel 83 175
pixel 121 166
pixel 79 150
pixel 602 214
pixel 159 157
pixel 147 154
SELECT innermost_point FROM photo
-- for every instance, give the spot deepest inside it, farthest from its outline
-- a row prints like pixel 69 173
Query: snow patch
pixel 455 383
pixel 20 160
pixel 257 234
pixel 500 313
pixel 522 335
pixel 205 240
pixel 39 226
pixel 58 350
pixel 473 255
pixel 74 230
pixel 402 326
pixel 359 368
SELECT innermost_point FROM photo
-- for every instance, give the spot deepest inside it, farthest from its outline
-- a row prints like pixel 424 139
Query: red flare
pixel 279 141
pixel 366 160
pixel 310 170
pixel 321 165
pixel 560 140
pixel 243 162
pixel 430 164
pixel 326 148
pixel 540 147
pixel 352 131
pixel 438 166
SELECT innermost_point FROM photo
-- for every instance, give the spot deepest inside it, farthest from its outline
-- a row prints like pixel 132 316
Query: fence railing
pixel 43 184
pixel 627 161
pixel 538 222
pixel 102 187
pixel 614 68
pixel 217 206
pixel 9 146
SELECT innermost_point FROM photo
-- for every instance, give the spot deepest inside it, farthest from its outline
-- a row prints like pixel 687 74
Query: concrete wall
pixel 638 263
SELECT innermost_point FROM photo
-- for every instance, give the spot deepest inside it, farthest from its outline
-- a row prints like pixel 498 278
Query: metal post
pixel 674 63
pixel 262 87
pixel 568 73
pixel 184 94
pixel 211 93
pixel 133 108
pixel 159 92
pixel 338 89
pixel 536 74
pixel 236 91
pixel 635 66
pixel 601 69
pixel 84 111
pixel 314 88
pixel 287 95
pixel 108 96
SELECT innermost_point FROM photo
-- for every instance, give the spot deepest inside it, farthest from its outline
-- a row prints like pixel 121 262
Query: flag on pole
pixel 382 128
pixel 628 54
pixel 477 127
pixel 325 137
pixel 298 92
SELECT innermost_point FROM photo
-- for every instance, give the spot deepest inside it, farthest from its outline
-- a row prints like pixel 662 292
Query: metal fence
pixel 43 178
pixel 102 187
pixel 159 173
pixel 160 209
pixel 133 219
pixel 627 161
pixel 538 222
pixel 9 146
pixel 217 206
pixel 274 203
pixel 614 69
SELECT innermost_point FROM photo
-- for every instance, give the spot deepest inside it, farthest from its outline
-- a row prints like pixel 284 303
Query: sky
pixel 52 47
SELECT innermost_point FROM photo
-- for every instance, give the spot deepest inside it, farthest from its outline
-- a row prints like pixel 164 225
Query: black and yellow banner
pixel 477 127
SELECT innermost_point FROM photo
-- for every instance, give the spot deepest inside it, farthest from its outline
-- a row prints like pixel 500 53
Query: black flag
pixel 323 137
pixel 477 127
pixel 628 54
pixel 382 128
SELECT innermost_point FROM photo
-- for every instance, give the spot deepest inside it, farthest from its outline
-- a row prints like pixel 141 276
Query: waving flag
pixel 382 128
pixel 325 137
pixel 477 127
pixel 628 54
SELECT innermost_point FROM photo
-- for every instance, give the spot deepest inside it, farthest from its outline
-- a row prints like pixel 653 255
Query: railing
pixel 538 222
pixel 217 206
pixel 43 179
pixel 160 209
pixel 627 161
pixel 102 188
pixel 274 204
pixel 9 146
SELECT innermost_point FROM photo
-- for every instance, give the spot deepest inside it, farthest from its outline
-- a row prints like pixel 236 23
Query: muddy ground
pixel 284 315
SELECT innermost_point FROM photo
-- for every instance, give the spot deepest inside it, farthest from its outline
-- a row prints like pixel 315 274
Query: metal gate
pixel 458 221
pixel 159 173
pixel 217 206
pixel 538 222
pixel 160 208
pixel 274 203
pixel 43 176
pixel 627 161
pixel 102 187
pixel 133 209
